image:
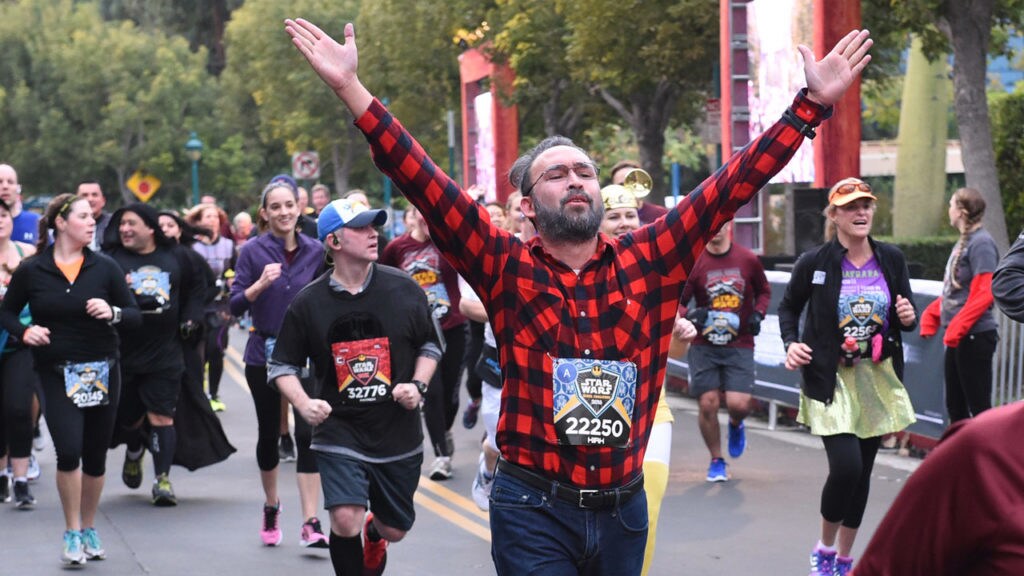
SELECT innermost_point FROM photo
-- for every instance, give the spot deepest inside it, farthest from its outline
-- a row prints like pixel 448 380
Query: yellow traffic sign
pixel 143 185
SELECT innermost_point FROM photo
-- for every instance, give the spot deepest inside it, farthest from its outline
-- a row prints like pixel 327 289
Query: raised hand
pixel 336 64
pixel 828 78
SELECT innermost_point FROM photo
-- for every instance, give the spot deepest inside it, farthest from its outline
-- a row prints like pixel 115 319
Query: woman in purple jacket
pixel 271 269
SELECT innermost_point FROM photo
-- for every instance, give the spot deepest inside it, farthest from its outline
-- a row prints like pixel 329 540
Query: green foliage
pixel 96 99
pixel 1008 141
pixel 925 256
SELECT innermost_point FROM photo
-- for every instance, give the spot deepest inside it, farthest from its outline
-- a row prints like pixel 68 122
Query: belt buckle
pixel 584 494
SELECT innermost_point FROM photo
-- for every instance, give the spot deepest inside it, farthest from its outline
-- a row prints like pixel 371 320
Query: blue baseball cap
pixel 346 213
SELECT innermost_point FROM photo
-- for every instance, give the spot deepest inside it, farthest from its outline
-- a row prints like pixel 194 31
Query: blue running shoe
pixel 737 439
pixel 716 471
pixel 92 545
pixel 844 565
pixel 823 563
pixel 73 555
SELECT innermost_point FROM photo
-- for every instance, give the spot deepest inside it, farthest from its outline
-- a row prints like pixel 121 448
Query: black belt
pixel 588 499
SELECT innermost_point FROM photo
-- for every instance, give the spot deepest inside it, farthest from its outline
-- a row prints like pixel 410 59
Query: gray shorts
pixel 720 368
pixel 388 486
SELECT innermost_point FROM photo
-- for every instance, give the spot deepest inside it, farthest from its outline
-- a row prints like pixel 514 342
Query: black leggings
pixel 20 384
pixel 474 347
pixel 441 405
pixel 267 400
pixel 850 460
pixel 216 343
pixel 79 434
pixel 969 375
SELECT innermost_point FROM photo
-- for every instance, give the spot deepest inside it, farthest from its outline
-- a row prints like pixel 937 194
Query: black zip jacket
pixel 1008 281
pixel 821 326
pixel 59 305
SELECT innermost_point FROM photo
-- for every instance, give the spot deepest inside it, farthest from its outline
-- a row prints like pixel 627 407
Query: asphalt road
pixel 764 521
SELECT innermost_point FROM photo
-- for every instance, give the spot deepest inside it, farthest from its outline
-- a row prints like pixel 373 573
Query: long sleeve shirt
pixel 620 306
pixel 267 310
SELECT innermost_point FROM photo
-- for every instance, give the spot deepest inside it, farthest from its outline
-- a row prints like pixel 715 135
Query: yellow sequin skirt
pixel 869 401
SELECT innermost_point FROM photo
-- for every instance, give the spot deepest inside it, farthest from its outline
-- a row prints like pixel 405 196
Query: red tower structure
pixel 490 129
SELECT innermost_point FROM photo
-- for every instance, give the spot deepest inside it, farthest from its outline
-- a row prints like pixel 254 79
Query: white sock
pixel 824 548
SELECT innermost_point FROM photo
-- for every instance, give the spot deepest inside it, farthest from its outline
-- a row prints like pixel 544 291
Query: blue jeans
pixel 534 533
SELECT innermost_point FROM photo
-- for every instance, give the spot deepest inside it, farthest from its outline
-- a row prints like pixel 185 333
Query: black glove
pixel 187 329
pixel 148 303
pixel 698 316
pixel 754 323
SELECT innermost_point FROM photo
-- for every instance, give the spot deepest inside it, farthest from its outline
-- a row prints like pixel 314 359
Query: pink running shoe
pixel 270 532
pixel 312 535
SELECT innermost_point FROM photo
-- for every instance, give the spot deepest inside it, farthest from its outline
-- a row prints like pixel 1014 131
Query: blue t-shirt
pixel 26 227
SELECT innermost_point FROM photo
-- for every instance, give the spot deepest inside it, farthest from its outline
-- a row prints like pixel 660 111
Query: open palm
pixel 335 63
pixel 828 78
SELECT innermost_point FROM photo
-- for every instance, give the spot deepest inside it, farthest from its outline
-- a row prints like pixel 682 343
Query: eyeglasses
pixel 559 172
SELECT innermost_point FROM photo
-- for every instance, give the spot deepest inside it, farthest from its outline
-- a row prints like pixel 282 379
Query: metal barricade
pixel 1008 362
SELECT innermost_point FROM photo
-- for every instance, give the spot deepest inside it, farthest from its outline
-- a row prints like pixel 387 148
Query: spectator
pixel 965 310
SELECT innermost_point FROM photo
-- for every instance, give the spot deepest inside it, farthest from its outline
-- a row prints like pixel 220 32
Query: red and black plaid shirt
pixel 620 306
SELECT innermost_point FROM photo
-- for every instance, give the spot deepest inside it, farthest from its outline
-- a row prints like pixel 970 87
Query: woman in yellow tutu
pixel 850 352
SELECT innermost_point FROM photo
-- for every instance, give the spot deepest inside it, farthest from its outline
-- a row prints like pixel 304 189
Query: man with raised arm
pixel 582 321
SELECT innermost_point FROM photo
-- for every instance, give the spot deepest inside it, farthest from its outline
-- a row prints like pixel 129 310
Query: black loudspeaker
pixel 807 217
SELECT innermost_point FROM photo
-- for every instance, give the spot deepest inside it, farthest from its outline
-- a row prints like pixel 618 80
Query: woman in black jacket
pixel 77 297
pixel 850 351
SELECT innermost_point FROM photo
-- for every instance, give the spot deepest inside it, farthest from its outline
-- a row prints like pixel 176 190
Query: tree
pixel 272 82
pixel 533 38
pixel 649 61
pixel 89 98
pixel 921 162
pixel 970 30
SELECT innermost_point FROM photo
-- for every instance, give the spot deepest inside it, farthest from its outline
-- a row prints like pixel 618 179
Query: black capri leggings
pixel 850 461
pixel 441 405
pixel 79 434
pixel 20 384
pixel 267 400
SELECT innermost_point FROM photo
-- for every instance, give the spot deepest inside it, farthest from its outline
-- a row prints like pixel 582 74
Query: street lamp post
pixel 194 150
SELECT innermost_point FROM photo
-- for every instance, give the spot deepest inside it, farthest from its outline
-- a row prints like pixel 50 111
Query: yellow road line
pixel 453 497
pixel 235 368
pixel 449 497
pixel 452 516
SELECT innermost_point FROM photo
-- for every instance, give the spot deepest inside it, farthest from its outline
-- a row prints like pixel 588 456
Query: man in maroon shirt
pixel 731 296
pixel 582 321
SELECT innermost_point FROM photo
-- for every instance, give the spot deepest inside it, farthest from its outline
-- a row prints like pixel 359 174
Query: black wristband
pixel 421 386
pixel 804 128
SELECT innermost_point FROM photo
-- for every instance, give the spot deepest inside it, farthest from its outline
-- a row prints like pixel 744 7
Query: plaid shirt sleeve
pixel 619 306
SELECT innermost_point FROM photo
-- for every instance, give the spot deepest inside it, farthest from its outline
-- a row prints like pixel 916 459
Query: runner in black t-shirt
pixel 368 330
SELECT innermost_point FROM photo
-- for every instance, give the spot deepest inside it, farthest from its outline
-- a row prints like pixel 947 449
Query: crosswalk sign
pixel 143 185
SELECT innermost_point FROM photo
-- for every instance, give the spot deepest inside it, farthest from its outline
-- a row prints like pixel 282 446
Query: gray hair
pixel 519 174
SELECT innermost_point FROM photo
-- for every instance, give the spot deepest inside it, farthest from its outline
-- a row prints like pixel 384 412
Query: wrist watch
pixel 421 386
pixel 116 314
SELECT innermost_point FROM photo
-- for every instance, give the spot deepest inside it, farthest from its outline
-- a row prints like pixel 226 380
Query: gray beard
pixel 558 227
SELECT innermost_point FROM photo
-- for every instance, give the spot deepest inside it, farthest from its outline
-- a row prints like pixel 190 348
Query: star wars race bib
pixel 862 315
pixel 593 401
pixel 721 327
pixel 87 384
pixel 153 282
pixel 363 369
